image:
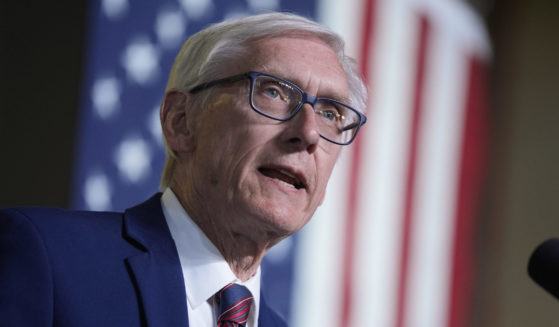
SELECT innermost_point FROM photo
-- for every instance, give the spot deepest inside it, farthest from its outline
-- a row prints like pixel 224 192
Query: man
pixel 255 114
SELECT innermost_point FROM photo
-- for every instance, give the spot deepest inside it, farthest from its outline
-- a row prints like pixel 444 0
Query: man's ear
pixel 176 123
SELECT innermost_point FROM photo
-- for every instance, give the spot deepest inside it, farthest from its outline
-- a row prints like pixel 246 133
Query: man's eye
pixel 271 92
pixel 329 114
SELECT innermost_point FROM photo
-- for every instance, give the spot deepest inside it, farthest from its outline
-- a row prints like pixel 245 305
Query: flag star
pixel 197 9
pixel 97 192
pixel 133 159
pixel 105 95
pixel 114 9
pixel 141 61
pixel 170 27
pixel 263 5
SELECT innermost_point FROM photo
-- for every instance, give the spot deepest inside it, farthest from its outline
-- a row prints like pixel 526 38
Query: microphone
pixel 543 266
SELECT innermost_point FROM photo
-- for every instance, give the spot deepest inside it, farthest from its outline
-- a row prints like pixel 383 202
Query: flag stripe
pixel 421 55
pixel 355 173
pixel 441 130
pixel 471 177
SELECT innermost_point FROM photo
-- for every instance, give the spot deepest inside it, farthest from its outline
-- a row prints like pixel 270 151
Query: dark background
pixel 41 57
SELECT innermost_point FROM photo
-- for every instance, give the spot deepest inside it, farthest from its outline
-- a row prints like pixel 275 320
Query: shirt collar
pixel 204 269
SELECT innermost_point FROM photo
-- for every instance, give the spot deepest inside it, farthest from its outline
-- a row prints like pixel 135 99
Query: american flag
pixel 392 244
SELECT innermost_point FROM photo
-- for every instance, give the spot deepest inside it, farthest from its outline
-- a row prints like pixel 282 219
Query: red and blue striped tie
pixel 234 303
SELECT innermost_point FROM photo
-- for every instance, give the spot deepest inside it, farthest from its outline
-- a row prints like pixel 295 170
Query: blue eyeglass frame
pixel 306 98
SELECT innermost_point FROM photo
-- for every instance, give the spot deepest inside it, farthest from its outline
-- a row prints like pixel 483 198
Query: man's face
pixel 257 173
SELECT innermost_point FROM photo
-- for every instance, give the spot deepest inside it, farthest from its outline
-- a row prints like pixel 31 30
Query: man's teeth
pixel 285 176
pixel 297 183
pixel 284 182
pixel 285 172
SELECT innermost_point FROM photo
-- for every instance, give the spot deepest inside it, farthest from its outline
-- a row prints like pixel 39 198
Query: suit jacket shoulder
pixel 77 268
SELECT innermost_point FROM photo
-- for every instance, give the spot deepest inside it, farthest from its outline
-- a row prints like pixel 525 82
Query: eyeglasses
pixel 280 99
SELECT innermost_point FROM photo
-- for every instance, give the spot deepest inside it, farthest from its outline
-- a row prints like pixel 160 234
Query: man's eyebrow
pixel 343 99
pixel 330 94
pixel 336 96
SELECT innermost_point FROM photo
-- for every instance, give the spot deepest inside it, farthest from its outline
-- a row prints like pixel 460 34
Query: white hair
pixel 204 56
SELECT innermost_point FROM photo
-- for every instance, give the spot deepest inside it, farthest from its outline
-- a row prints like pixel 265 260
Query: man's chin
pixel 279 217
pixel 286 224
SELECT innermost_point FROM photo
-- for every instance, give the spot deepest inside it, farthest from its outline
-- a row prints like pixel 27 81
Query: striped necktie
pixel 234 303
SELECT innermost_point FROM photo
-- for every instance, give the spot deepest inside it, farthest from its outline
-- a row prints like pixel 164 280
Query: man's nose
pixel 303 129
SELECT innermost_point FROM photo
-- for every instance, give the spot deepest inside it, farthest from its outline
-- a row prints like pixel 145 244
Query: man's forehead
pixel 266 58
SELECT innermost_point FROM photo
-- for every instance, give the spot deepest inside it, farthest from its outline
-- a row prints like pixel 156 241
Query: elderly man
pixel 254 117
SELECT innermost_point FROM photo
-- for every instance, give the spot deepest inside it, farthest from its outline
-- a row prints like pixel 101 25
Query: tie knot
pixel 234 303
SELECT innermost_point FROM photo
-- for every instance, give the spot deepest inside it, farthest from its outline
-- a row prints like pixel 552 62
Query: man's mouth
pixel 283 175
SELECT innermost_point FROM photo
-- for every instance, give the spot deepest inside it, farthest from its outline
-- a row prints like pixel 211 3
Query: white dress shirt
pixel 204 269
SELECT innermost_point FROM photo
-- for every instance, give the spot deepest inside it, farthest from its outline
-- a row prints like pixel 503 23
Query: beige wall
pixel 522 208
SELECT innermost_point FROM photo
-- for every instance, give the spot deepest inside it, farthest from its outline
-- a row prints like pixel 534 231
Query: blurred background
pixel 60 104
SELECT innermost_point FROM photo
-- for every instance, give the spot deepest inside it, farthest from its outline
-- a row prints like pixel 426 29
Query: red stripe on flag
pixel 471 178
pixel 417 111
pixel 367 40
pixel 349 246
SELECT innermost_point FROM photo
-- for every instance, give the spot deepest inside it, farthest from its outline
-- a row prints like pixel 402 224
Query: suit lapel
pixel 157 271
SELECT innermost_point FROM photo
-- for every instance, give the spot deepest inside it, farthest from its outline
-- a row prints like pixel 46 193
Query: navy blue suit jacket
pixel 79 268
